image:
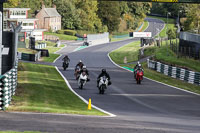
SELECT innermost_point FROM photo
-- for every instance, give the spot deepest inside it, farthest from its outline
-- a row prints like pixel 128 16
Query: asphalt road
pixel 147 108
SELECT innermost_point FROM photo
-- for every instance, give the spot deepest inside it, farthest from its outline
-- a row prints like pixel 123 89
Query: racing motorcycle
pixel 82 80
pixel 103 83
pixel 139 76
pixel 65 65
pixel 77 72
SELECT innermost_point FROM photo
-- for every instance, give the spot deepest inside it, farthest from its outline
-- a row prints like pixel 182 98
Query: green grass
pixel 27 51
pixel 52 56
pixel 145 25
pixel 129 51
pixel 160 54
pixel 61 36
pixel 171 25
pixel 42 89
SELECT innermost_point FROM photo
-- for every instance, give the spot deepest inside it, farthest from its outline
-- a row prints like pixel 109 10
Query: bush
pixel 60 31
pixel 67 32
pixel 70 32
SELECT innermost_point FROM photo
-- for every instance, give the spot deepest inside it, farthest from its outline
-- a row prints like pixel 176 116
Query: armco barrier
pixel 175 72
pixel 8 85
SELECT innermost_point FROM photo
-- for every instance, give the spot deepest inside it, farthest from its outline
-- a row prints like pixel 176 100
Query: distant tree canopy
pixel 91 15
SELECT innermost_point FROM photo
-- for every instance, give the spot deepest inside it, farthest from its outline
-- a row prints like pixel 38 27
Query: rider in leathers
pixel 103 73
pixel 84 69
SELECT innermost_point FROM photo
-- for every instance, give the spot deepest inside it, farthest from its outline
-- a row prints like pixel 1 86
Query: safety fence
pixel 175 72
pixel 8 85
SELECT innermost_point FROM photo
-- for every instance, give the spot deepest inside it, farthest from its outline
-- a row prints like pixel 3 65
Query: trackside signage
pixel 141 34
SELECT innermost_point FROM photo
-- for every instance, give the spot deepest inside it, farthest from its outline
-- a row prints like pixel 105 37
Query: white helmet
pixel 138 62
pixel 80 61
pixel 139 65
pixel 84 66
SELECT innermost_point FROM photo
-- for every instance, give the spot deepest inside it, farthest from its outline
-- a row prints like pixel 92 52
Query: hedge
pixel 67 32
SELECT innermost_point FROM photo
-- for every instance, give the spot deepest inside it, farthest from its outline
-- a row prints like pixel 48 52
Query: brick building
pixel 49 18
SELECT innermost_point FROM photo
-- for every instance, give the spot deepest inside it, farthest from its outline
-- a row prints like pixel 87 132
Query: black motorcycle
pixel 65 65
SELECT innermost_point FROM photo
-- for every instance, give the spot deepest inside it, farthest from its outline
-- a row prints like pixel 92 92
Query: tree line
pixel 91 15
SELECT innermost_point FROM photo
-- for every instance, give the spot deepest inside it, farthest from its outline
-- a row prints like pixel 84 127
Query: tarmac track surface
pixel 147 108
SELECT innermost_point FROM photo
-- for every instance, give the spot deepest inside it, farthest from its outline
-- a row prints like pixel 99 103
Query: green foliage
pixel 70 32
pixel 11 3
pixel 89 15
pixel 171 33
pixel 67 32
pixel 193 19
pixel 60 31
pixel 109 12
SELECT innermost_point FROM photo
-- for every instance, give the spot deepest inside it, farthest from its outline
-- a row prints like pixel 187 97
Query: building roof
pixel 52 12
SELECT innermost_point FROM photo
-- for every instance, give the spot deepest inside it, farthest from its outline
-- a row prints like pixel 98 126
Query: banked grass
pixel 118 55
pixel 42 89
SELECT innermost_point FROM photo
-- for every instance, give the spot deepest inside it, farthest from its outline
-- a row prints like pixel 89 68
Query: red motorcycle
pixel 139 76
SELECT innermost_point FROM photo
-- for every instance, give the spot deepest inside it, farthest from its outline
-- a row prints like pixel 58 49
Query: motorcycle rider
pixel 138 66
pixel 66 60
pixel 80 64
pixel 103 73
pixel 84 69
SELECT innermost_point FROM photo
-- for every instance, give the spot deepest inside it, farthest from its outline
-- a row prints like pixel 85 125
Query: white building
pixel 29 25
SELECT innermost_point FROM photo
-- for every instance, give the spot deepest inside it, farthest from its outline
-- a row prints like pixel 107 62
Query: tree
pixel 193 18
pixel 109 12
pixel 88 15
pixel 69 13
pixel 11 3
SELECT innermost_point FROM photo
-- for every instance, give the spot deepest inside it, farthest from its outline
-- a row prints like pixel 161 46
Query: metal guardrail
pixel 175 72
pixel 8 85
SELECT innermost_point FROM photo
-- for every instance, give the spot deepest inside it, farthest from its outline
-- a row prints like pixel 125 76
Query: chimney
pixel 54 6
pixel 43 6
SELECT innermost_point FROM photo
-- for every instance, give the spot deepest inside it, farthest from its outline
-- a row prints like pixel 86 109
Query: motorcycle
pixel 139 76
pixel 103 83
pixel 65 65
pixel 82 80
pixel 77 72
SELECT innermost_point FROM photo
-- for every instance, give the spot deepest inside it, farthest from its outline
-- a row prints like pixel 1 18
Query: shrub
pixel 60 31
pixel 70 32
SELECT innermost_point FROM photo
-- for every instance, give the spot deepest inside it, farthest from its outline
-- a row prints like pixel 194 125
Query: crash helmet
pixel 103 70
pixel 138 62
pixel 139 65
pixel 84 67
pixel 80 61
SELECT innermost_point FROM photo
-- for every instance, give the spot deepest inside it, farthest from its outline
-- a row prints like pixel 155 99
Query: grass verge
pixel 61 36
pixel 130 52
pixel 42 89
pixel 146 23
pixel 160 53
